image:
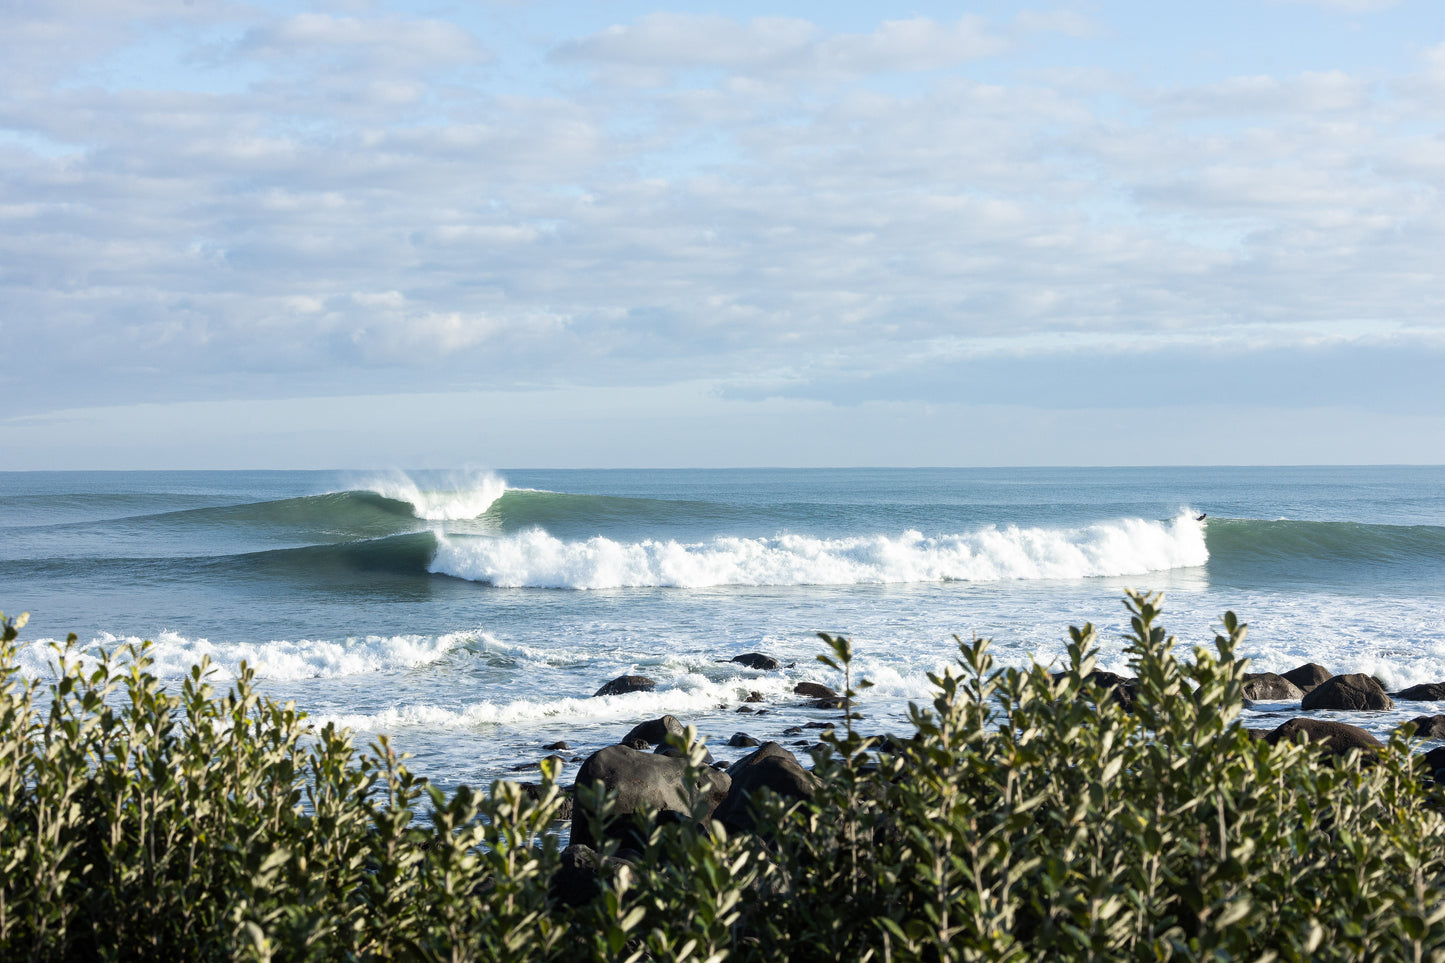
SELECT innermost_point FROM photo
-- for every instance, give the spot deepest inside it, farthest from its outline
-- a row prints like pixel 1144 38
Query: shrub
pixel 1028 817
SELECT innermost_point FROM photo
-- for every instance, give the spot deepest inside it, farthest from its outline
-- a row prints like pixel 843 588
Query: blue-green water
pixel 473 615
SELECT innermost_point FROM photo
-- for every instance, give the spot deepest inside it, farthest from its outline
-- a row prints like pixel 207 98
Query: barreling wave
pixel 537 559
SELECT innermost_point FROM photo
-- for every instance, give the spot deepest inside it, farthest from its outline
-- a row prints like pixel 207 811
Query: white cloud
pixel 778 46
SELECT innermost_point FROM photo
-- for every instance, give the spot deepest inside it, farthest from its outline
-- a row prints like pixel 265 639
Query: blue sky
pixel 494 234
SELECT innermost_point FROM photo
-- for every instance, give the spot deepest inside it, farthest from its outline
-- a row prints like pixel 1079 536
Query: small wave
pixel 463 497
pixel 283 660
pixel 537 559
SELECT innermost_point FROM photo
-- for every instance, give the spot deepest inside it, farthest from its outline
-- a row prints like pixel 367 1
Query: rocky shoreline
pixel 646 768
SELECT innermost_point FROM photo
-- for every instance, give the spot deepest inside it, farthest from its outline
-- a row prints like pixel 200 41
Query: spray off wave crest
pixel 537 559
pixel 461 497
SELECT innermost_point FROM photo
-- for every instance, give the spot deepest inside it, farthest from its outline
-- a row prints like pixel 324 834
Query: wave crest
pixel 465 496
pixel 537 559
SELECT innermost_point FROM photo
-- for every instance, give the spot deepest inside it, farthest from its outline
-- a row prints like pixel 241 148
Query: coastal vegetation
pixel 1028 815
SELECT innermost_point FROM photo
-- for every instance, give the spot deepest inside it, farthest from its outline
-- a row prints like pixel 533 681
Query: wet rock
pixel 624 684
pixel 828 704
pixel 1355 692
pixel 579 868
pixel 646 784
pixel 770 768
pixel 1429 727
pixel 1270 687
pixel 666 750
pixel 743 740
pixel 812 690
pixel 1338 737
pixel 533 791
pixel 754 697
pixel 745 709
pixel 557 747
pixel 654 732
pixel 1308 675
pixel 1424 692
pixel 756 660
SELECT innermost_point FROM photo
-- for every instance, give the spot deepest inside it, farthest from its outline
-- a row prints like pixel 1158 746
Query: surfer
pixel 1202 517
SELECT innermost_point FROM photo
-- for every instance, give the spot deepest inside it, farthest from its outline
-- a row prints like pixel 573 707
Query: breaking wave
pixel 537 559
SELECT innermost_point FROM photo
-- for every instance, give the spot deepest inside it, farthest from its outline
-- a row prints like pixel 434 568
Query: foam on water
pixel 280 660
pixel 466 495
pixel 536 559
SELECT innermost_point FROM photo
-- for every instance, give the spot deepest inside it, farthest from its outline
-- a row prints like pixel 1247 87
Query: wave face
pixel 537 559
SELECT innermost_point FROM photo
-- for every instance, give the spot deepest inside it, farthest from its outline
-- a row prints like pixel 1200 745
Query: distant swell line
pixel 539 560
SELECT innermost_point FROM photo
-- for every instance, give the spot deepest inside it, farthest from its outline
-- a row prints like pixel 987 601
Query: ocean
pixel 472 615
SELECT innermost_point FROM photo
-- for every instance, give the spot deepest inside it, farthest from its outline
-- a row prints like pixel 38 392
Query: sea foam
pixel 537 559
pixel 282 660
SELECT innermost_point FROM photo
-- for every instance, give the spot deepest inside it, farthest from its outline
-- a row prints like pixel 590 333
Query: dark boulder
pixel 533 791
pixel 1429 727
pixel 813 690
pixel 1308 675
pixel 654 732
pixel 1424 692
pixel 1435 763
pixel 557 747
pixel 754 696
pixel 756 660
pixel 579 867
pixel 1338 737
pixel 772 768
pixel 1270 687
pixel 624 684
pixel 1355 692
pixel 646 784
pixel 666 750
pixel 741 740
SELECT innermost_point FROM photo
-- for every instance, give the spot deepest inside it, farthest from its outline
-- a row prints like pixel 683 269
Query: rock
pixel 742 740
pixel 812 690
pixel 828 704
pixel 1339 737
pixel 624 684
pixel 646 784
pixel 1435 763
pixel 1429 727
pixel 641 745
pixel 524 767
pixel 1424 692
pixel 756 660
pixel 821 725
pixel 533 791
pixel 655 732
pixel 1270 687
pixel 754 697
pixel 745 709
pixel 557 747
pixel 666 750
pixel 1355 692
pixel 1308 675
pixel 771 767
pixel 576 880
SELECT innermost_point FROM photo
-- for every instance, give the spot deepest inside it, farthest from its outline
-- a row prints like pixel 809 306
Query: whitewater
pixel 472 615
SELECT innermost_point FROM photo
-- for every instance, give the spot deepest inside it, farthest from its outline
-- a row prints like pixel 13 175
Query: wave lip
pixel 538 560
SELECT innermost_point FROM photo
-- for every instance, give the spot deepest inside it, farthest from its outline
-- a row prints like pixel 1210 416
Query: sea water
pixel 471 616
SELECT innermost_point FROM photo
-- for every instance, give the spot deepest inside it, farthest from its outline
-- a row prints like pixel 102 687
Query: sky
pixel 476 233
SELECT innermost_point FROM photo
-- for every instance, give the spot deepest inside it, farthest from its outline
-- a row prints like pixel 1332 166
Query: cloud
pixel 367 208
pixel 1347 6
pixel 782 47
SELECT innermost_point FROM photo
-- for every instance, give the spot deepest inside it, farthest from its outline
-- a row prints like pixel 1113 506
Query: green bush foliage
pixel 1027 817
